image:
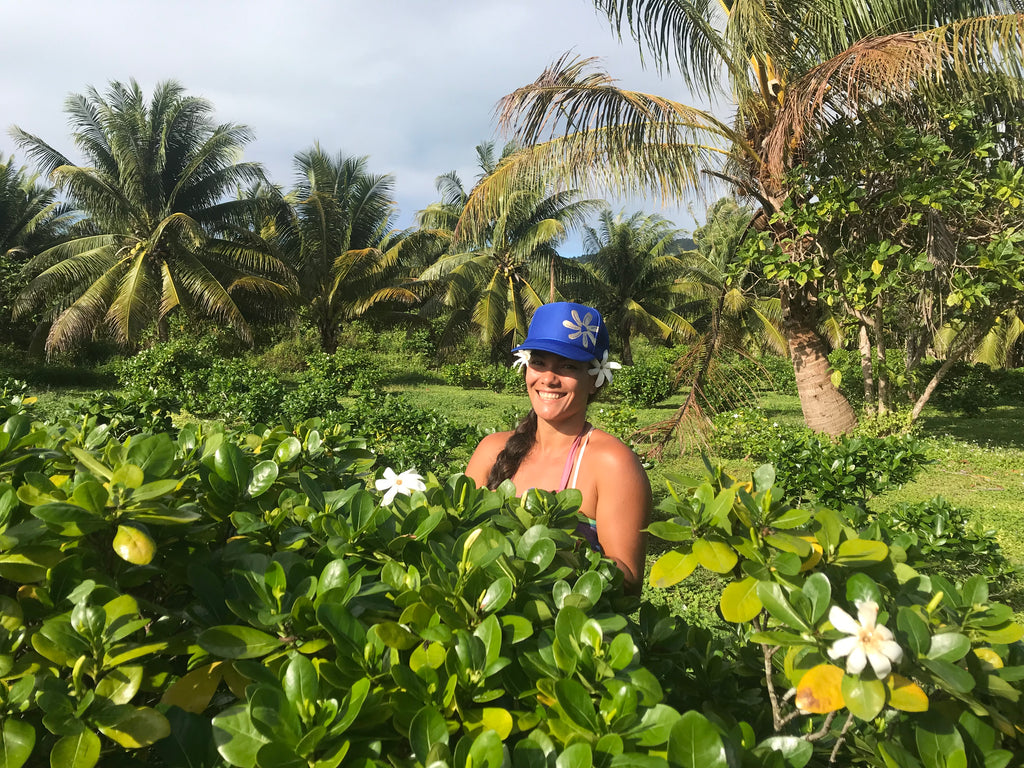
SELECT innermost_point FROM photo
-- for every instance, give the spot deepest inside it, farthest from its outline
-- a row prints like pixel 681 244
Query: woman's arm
pixel 483 457
pixel 623 510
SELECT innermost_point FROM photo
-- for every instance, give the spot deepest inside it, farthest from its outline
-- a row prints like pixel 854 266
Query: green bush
pixel 247 599
pixel 847 471
pixel 235 390
pixel 644 384
pixel 749 433
pixel 967 388
pixel 474 374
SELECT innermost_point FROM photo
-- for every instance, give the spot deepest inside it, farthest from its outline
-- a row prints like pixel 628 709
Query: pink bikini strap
pixel 570 458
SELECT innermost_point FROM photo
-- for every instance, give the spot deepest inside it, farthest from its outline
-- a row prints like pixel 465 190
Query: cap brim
pixel 562 348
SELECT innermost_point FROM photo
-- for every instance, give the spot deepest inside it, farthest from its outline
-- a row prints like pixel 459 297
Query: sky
pixel 410 84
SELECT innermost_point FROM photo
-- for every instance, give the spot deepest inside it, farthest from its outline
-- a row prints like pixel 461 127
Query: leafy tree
pixel 924 232
pixel 792 69
pixel 344 243
pixel 488 276
pixel 31 220
pixel 632 265
pixel 159 230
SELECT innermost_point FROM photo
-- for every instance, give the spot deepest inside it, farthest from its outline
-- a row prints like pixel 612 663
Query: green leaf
pixel 577 705
pixel 862 587
pixel 716 556
pixel 128 475
pixel 236 737
pixel 143 726
pixel 79 751
pixel 774 599
pixel 949 646
pixel 121 684
pixel 938 741
pixel 915 628
pixel 17 740
pixel 577 755
pixel 796 752
pixel 740 602
pixel 860 552
pixel 496 595
pixel 263 476
pixel 954 677
pixel 154 455
pixel 672 567
pixel 287 450
pixel 426 729
pixel 864 698
pixel 695 742
pixel 230 465
pixel 236 642
pixel 301 684
pixel 818 591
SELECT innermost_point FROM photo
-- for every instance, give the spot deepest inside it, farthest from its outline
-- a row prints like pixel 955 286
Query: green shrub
pixel 474 374
pixel 644 384
pixel 940 538
pixel 619 420
pixel 967 388
pixel 847 471
pixel 235 390
pixel 748 433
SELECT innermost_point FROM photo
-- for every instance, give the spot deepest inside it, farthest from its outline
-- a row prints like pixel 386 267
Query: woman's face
pixel 559 387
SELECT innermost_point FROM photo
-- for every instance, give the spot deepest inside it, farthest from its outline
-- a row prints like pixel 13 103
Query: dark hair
pixel 515 450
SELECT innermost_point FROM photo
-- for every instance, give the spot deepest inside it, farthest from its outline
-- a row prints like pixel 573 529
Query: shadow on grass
pixel 1001 427
pixel 416 378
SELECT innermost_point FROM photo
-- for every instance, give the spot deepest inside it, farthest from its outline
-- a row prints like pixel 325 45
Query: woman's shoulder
pixel 612 452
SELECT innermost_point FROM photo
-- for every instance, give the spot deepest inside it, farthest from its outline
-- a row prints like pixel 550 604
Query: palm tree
pixel 632 265
pixel 489 274
pixel 31 220
pixel 158 233
pixel 347 250
pixel 791 68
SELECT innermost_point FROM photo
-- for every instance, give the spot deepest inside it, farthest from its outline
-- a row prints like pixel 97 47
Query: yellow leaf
pixel 133 545
pixel 740 602
pixel 816 552
pixel 820 690
pixel 906 695
pixel 876 267
pixel 492 718
pixel 672 567
pixel 193 691
pixel 716 556
pixel 989 658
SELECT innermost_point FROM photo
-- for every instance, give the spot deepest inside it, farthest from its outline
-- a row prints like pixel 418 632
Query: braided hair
pixel 519 444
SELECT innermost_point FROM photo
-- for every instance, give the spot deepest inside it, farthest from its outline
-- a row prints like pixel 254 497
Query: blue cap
pixel 571 330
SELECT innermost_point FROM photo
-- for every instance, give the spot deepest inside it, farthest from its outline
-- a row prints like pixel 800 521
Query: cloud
pixel 412 84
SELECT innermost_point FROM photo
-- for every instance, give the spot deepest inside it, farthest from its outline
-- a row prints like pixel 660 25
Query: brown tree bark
pixel 884 395
pixel 824 407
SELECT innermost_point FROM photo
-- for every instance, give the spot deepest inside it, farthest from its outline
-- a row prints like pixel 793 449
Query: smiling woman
pixel 555 447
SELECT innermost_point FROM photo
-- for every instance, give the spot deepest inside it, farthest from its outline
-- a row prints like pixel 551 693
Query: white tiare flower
pixel 522 358
pixel 393 484
pixel 603 369
pixel 866 640
pixel 583 328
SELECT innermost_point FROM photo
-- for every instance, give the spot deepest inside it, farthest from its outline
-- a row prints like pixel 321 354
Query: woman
pixel 555 447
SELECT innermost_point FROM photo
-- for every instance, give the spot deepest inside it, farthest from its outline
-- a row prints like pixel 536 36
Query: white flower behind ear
pixel 522 359
pixel 393 484
pixel 603 369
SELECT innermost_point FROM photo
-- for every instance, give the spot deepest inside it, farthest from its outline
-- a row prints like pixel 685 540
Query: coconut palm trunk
pixel 824 407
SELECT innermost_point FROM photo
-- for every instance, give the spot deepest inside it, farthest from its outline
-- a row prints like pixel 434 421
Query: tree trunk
pixel 824 407
pixel 884 396
pixel 864 345
pixel 959 351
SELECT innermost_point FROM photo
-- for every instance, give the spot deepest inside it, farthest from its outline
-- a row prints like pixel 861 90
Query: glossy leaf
pixel 671 568
pixel 140 728
pixel 864 698
pixel 906 695
pixel 79 751
pixel 774 598
pixel 263 476
pixel 17 739
pixel 121 684
pixel 134 545
pixel 820 690
pixel 740 603
pixel 694 742
pixel 427 729
pixel 236 737
pixel 860 552
pixel 236 642
pixel 949 646
pixel 193 691
pixel 716 556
